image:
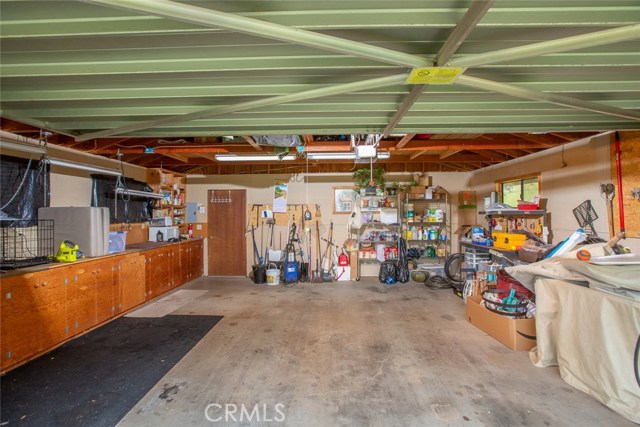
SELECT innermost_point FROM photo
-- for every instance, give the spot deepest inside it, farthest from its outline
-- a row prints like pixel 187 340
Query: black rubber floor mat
pixel 97 378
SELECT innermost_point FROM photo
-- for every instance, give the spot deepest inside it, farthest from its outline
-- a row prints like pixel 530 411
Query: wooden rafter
pixel 207 156
pixel 405 140
pixel 179 157
pixel 449 153
pixel 252 142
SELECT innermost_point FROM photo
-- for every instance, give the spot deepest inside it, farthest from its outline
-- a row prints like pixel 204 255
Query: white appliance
pixel 86 227
pixel 167 233
pixel 164 221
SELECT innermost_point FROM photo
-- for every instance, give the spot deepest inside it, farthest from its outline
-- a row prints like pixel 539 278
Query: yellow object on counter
pixel 508 241
pixel 67 252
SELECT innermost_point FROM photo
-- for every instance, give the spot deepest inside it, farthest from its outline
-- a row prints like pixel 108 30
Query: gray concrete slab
pixel 354 354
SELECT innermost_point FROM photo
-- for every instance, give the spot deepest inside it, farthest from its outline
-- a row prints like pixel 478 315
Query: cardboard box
pixel 425 180
pixel 417 189
pixel 517 334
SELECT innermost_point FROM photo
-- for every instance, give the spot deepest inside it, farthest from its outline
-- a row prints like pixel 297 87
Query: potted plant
pixel 367 181
pixel 392 189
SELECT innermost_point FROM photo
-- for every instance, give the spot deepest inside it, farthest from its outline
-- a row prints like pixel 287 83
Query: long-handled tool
pixel 328 259
pixel 256 253
pixel 317 275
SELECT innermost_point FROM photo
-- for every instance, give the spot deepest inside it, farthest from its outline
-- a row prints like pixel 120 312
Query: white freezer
pixel 85 226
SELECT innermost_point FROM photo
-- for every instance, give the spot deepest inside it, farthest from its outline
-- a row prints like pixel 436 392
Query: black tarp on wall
pixel 33 194
pixel 129 209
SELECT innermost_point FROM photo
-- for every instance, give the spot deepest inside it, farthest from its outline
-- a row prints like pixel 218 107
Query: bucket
pixel 259 274
pixel 273 276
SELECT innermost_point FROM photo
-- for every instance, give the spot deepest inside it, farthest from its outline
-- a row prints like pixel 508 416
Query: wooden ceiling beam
pixel 417 154
pixel 405 140
pixel 207 156
pixel 179 157
pixel 449 153
pixel 252 142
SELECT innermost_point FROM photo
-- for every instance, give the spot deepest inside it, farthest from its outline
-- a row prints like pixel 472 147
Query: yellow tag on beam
pixel 434 75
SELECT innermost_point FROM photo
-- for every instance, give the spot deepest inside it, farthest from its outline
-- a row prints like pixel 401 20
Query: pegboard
pixel 630 161
pixel 294 213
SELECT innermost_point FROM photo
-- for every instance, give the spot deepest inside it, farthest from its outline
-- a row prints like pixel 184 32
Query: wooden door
pixel 226 222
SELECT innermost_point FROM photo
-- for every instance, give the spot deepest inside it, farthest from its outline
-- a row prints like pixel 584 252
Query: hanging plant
pixel 363 178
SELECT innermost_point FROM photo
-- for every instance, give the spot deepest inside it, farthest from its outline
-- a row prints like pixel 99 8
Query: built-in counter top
pixel 130 249
pixel 46 305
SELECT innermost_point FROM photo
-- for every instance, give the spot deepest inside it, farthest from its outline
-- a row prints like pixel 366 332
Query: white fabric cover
pixel 591 336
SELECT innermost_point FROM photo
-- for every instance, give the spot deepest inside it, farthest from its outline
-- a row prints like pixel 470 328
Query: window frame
pixel 521 178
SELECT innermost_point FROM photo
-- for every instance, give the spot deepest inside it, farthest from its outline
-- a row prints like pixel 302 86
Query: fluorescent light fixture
pixel 343 156
pixel 252 158
pixel 81 166
pixel 139 193
pixel 25 148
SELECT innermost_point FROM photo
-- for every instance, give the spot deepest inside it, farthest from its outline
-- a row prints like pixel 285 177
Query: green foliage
pixel 361 177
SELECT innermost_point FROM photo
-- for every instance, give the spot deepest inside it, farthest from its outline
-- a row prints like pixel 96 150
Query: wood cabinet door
pixel 184 255
pixel 104 275
pixel 173 253
pixel 21 325
pixel 82 298
pixel 157 269
pixel 34 314
pixel 52 307
pixel 131 282
pixel 197 260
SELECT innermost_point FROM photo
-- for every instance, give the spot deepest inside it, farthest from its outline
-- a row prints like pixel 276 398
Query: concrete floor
pixel 354 354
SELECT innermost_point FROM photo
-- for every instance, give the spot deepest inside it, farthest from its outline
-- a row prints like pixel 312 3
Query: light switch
pixel 198 226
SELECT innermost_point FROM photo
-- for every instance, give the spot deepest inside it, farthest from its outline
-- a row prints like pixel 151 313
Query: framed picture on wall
pixel 343 199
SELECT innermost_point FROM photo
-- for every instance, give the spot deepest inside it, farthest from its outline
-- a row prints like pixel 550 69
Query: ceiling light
pixel 81 166
pixel 139 193
pixel 25 148
pixel 252 158
pixel 343 156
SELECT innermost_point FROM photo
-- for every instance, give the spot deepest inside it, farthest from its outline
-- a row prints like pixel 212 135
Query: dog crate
pixel 26 242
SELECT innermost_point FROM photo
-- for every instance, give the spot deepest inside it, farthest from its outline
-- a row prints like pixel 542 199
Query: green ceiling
pixel 85 67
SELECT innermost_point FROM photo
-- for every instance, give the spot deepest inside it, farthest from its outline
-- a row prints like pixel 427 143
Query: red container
pixel 527 207
pixel 505 281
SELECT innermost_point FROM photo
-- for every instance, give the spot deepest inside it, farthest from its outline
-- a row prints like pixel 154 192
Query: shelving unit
pixel 373 232
pixel 510 220
pixel 173 203
pixel 429 229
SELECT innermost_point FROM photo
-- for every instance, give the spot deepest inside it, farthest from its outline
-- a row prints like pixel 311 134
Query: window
pixel 513 190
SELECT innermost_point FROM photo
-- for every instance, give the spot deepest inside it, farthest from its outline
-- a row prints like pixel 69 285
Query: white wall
pixel 588 165
pixel 260 191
